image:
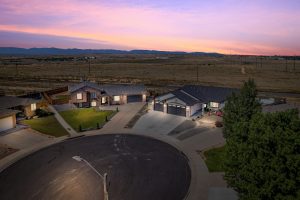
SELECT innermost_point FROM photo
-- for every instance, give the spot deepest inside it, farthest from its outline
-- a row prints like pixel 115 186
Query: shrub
pixel 219 124
pixel 42 113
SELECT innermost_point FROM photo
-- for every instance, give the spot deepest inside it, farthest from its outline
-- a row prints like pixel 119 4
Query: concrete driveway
pixel 157 122
pixel 23 139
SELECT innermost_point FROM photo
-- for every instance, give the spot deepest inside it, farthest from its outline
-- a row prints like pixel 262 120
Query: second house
pixel 89 94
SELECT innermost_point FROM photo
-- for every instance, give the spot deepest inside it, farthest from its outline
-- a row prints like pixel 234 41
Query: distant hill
pixel 57 51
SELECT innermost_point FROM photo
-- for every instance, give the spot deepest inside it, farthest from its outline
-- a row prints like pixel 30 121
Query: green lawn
pixel 215 159
pixel 86 117
pixel 47 125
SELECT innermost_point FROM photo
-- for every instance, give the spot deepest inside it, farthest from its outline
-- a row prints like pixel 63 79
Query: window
pixel 79 95
pixel 116 98
pixel 93 95
pixel 214 104
pixel 94 104
pixel 33 106
pixel 103 100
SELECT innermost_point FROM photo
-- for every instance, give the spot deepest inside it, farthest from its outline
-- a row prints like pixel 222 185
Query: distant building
pixel 88 94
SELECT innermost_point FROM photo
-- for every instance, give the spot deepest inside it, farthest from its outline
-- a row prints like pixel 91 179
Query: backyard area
pixel 86 118
pixel 214 159
pixel 47 125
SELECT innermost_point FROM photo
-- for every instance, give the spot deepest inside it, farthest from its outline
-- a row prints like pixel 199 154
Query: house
pixel 7 119
pixel 192 99
pixel 10 106
pixel 27 106
pixel 88 94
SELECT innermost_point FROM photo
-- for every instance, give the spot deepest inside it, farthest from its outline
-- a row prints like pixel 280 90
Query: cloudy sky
pixel 225 26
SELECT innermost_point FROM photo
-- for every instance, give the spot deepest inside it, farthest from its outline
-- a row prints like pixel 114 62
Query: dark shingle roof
pixel 209 93
pixel 10 102
pixel 189 100
pixel 114 89
pixel 84 84
pixel 123 89
pixel 7 112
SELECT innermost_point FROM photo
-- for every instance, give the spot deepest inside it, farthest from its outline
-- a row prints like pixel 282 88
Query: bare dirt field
pixel 272 74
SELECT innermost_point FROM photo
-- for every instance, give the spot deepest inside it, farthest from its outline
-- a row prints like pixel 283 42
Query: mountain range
pixel 58 51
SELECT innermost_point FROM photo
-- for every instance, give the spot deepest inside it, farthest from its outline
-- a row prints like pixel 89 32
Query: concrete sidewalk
pixel 64 124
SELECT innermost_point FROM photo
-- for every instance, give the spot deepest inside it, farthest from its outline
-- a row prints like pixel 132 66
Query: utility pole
pixel 286 68
pixel 89 66
pixel 294 63
pixel 256 62
pixel 17 69
pixel 197 73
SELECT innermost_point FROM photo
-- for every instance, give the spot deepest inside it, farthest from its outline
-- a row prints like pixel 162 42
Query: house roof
pixel 113 89
pixel 123 89
pixel 84 84
pixel 11 101
pixel 188 99
pixel 209 93
pixel 7 112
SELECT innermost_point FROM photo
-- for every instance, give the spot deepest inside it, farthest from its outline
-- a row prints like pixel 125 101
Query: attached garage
pixel 134 98
pixel 6 123
pixel 176 110
pixel 158 106
pixel 7 119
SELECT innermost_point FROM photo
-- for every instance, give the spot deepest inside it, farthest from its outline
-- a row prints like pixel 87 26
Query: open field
pixel 19 74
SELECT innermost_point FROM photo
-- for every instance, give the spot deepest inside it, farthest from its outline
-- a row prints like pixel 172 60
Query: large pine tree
pixel 262 151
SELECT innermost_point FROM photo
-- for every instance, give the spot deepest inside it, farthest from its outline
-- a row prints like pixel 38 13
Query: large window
pixel 33 106
pixel 214 105
pixel 79 96
pixel 93 95
pixel 116 98
pixel 94 104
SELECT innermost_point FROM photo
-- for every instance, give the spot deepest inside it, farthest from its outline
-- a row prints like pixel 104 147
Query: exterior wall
pixel 195 108
pixel 144 97
pixel 165 108
pixel 84 91
pixel 221 105
pixel 27 110
pixel 123 100
pixel 188 111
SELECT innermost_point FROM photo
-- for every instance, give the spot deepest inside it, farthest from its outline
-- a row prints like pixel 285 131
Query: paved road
pixel 138 168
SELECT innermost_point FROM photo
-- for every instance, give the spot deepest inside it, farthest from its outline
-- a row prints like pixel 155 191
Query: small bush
pixel 219 124
pixel 42 113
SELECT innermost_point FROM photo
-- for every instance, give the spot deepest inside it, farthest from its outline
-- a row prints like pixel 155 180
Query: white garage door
pixel 6 123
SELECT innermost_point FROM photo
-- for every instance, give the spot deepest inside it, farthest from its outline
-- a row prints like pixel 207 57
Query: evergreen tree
pixel 262 151
pixel 270 160
pixel 239 109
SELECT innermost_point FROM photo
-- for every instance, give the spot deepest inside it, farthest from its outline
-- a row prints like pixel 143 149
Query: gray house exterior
pixel 191 100
pixel 88 94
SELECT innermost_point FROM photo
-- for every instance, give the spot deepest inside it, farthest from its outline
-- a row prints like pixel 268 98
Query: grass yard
pixel 47 125
pixel 214 159
pixel 86 117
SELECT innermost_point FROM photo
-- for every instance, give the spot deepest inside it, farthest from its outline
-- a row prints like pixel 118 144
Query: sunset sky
pixel 266 27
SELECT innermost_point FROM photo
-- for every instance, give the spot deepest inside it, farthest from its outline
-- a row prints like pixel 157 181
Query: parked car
pixel 219 113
